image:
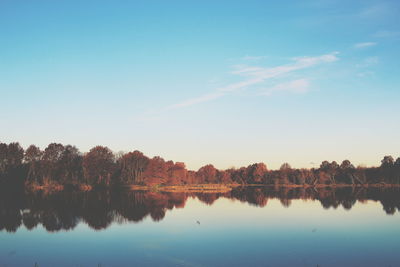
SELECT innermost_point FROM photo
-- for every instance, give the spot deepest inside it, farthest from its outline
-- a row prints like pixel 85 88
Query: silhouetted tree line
pixel 99 208
pixel 65 165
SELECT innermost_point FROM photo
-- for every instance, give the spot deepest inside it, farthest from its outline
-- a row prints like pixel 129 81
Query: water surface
pixel 246 227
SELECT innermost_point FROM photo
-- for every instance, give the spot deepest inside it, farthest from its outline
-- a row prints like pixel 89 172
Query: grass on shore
pixel 203 188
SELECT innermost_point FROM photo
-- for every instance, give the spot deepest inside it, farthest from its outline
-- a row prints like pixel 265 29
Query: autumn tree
pixel 397 163
pixel 133 165
pixel 387 161
pixel 224 177
pixel 346 165
pixel 207 174
pixel 256 172
pixel 33 156
pixel 191 177
pixel 238 175
pixel 71 165
pixel 98 166
pixel 15 154
pixel 329 171
pixel 3 157
pixel 51 162
pixel 347 172
pixel 285 166
pixel 388 171
pixel 177 173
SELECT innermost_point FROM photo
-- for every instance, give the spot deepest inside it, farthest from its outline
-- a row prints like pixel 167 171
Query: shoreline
pixel 201 188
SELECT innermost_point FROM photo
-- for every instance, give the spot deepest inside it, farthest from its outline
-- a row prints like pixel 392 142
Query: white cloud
pixel 368 62
pixel 365 74
pixel 258 75
pixel 296 86
pixel 253 58
pixel 365 45
pixel 378 11
pixel 386 34
pixel 299 63
pixel 196 100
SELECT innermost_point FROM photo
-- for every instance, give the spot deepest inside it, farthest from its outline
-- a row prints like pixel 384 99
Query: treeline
pixel 60 165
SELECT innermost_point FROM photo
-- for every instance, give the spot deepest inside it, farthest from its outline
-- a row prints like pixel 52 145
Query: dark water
pixel 245 227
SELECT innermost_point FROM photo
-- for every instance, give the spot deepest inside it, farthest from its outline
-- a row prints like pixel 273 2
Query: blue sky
pixel 222 82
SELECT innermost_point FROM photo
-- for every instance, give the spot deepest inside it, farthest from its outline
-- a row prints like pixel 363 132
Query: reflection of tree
pixel 131 205
pixel 99 209
pixel 157 214
pixel 10 219
pixel 30 220
pixel 207 198
pixel 96 211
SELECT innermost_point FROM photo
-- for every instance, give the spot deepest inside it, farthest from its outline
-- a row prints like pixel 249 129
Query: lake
pixel 253 226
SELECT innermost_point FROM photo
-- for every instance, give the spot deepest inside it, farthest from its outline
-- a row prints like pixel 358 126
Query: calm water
pixel 246 227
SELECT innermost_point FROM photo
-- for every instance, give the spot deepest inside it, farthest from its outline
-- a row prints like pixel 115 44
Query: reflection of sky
pixel 230 232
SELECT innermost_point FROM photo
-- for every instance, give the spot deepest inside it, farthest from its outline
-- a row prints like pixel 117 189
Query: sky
pixel 229 83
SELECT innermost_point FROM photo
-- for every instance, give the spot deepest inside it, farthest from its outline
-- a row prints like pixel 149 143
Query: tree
pixel 207 174
pixel 347 171
pixel 387 161
pixel 177 173
pixel 325 165
pixel 397 163
pixel 71 165
pixel 15 154
pixel 98 166
pixel 132 165
pixel 224 177
pixel 53 152
pixel 256 172
pixel 238 175
pixel 346 165
pixel 3 157
pixel 51 159
pixel 285 166
pixel 387 171
pixel 33 156
pixel 329 171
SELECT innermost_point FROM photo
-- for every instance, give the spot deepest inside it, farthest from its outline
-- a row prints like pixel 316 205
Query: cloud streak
pixel 253 58
pixel 364 45
pixel 258 75
pixel 298 86
pixel 386 34
pixel 197 100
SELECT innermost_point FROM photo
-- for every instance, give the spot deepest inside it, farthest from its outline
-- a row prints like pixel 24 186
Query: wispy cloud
pixel 197 100
pixel 364 45
pixel 378 11
pixel 258 75
pixel 299 63
pixel 253 58
pixel 365 66
pixel 368 62
pixel 298 86
pixel 386 34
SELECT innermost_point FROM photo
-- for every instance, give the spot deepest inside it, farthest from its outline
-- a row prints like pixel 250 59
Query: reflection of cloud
pixel 182 262
pixel 364 45
pixel 257 75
